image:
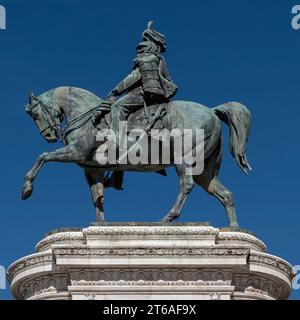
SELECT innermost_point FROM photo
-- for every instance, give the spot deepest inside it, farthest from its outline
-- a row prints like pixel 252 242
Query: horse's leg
pixel 95 180
pixel 216 188
pixel 115 180
pixel 186 186
pixel 65 154
pixel 210 182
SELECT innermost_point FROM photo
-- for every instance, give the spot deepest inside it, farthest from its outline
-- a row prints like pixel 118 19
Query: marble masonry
pixel 150 261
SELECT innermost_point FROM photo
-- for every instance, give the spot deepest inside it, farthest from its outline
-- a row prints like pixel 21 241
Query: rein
pixel 85 117
pixel 71 126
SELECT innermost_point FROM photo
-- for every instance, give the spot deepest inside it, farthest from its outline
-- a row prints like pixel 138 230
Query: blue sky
pixel 218 51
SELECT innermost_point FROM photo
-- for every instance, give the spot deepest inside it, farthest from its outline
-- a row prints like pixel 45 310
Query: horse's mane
pixel 80 96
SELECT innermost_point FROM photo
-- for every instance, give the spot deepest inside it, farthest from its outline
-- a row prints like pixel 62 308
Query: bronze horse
pixel 76 106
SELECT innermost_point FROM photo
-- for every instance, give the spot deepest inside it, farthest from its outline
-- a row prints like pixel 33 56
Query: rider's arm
pixel 133 78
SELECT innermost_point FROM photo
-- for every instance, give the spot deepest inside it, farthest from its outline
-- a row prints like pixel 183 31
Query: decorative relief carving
pixel 46 290
pixel 240 236
pixel 61 237
pixel 90 296
pixel 244 282
pixel 273 262
pixel 228 244
pixel 156 231
pixel 205 251
pixel 29 262
pixel 44 284
pixel 215 296
pixel 151 283
pixel 150 274
pixel 255 290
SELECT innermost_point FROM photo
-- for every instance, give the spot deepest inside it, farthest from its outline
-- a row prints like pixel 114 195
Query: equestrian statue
pixel 144 99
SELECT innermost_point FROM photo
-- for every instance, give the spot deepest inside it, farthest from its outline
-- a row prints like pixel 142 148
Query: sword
pixel 146 116
pixel 159 114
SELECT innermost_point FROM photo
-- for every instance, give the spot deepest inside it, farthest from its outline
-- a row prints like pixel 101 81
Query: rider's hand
pixel 110 100
pixel 96 117
pixel 112 94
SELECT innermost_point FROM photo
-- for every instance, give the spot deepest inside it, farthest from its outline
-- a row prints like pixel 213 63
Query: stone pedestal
pixel 181 261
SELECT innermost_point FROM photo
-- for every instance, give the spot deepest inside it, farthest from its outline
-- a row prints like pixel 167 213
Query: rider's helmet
pixel 153 41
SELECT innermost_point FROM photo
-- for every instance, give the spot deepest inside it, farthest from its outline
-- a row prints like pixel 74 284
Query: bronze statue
pixel 148 83
pixel 147 93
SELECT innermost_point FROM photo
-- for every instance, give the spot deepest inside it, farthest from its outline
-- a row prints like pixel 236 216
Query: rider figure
pixel 148 83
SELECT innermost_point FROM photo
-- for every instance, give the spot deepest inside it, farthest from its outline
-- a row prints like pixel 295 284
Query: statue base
pixel 150 261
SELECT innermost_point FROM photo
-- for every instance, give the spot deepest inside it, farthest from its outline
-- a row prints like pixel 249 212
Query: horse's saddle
pixel 147 118
pixel 150 117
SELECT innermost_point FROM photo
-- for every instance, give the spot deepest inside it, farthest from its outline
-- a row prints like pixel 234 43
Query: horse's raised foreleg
pixel 186 186
pixel 65 154
pixel 95 180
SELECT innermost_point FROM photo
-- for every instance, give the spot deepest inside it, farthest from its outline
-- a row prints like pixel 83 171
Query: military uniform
pixel 148 83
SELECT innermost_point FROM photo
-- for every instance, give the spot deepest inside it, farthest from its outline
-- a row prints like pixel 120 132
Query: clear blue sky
pixel 218 51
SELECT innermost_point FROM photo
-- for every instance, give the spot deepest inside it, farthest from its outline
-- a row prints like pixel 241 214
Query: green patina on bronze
pixel 144 98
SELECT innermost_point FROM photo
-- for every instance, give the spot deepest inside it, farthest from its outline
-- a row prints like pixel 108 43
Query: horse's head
pixel 46 117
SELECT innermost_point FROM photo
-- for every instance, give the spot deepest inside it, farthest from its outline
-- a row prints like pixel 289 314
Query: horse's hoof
pixel 170 217
pixel 100 217
pixel 27 191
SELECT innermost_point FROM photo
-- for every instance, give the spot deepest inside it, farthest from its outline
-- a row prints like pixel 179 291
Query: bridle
pixel 73 125
pixel 51 119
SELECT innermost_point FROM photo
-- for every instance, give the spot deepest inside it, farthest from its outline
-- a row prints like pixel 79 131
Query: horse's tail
pixel 238 118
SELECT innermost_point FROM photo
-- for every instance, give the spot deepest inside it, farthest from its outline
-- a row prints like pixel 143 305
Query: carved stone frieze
pixel 151 283
pixel 89 251
pixel 195 261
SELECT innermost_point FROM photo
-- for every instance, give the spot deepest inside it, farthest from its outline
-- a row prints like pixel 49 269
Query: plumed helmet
pixel 154 36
